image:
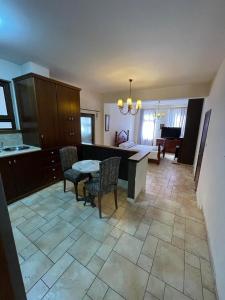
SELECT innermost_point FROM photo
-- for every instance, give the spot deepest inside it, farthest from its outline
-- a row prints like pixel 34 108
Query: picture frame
pixel 107 122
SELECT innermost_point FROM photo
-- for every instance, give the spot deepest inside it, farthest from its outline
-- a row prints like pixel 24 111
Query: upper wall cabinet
pixel 49 111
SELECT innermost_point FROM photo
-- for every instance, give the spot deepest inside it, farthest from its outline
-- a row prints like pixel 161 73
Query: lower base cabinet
pixel 23 174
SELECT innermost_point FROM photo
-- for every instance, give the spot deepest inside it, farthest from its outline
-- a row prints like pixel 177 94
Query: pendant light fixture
pixel 130 108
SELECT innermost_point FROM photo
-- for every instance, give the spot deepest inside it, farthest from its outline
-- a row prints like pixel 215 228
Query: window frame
pixel 5 84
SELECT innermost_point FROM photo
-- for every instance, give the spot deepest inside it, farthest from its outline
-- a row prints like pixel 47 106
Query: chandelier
pixel 157 114
pixel 131 108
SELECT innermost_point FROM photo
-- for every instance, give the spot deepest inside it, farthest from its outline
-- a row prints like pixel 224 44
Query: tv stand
pixel 169 143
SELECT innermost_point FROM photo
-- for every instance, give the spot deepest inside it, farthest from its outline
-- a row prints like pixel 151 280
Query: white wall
pixel 118 122
pixel 211 187
pixel 90 101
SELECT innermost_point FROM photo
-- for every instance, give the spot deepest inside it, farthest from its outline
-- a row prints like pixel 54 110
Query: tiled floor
pixel 155 248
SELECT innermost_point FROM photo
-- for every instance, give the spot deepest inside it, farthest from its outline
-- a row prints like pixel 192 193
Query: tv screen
pixel 170 132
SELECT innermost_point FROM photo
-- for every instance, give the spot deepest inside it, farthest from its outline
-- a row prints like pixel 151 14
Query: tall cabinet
pixel 49 111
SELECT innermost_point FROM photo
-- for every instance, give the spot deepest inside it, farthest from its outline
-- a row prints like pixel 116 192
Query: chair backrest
pixel 108 174
pixel 68 156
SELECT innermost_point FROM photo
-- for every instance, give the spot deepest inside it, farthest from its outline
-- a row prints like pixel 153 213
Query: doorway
pixel 87 122
pixel 202 146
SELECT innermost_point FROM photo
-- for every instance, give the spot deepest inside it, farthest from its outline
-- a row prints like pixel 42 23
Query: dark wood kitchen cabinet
pixel 20 174
pixel 68 115
pixel 25 173
pixel 49 111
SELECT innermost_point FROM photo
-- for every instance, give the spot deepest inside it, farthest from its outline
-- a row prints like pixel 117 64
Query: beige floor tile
pixel 160 215
pixel 76 234
pixel 60 249
pixel 149 296
pixel 34 236
pixel 34 268
pixel 116 233
pixel 207 275
pixel 156 287
pixel 72 285
pixel 106 247
pixel 208 295
pixel 192 260
pixel 179 230
pixel 95 264
pixel 20 240
pixel 196 229
pixel 57 269
pixel 84 248
pixel 145 262
pixel 56 235
pixel 112 295
pixel 129 247
pixel 38 291
pixel 177 242
pixel 28 251
pixel 18 210
pixel 161 231
pixel 124 277
pixel 129 223
pixel 192 282
pixel 98 289
pixel 97 228
pixel 142 231
pixel 31 224
pixel 168 265
pixel 149 246
pixel 196 246
pixel 50 224
pixel 173 294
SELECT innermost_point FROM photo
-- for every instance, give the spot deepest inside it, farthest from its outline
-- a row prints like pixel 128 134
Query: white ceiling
pixel 101 43
pixel 163 103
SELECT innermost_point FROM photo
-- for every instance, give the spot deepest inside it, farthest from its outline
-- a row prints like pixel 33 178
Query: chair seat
pixel 74 176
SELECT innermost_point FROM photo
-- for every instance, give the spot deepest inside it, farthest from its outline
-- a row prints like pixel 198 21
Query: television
pixel 171 132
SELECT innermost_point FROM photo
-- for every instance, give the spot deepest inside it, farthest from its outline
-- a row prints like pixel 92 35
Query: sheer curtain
pixel 177 118
pixel 147 127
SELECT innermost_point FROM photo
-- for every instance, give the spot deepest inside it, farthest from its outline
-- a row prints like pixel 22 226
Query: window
pixel 7 120
pixel 147 127
pixel 87 128
pixel 177 118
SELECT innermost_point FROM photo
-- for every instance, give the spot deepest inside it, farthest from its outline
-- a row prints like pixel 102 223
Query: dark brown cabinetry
pixel 49 111
pixel 194 112
pixel 68 112
pixel 25 173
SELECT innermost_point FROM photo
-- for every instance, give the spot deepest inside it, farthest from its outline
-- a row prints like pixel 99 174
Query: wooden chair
pixel 106 182
pixel 68 156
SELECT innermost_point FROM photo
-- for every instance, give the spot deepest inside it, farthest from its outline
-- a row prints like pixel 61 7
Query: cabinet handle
pixel 10 162
pixel 71 133
pixel 14 161
pixel 53 170
pixel 54 177
pixel 42 136
pixel 53 161
pixel 52 152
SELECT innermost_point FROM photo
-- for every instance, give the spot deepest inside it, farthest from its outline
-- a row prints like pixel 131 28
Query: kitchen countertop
pixel 18 152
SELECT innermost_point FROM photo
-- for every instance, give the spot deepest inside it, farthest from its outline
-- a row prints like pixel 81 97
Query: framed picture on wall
pixel 107 120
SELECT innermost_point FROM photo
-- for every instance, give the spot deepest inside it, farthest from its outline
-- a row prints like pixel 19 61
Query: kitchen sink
pixel 17 148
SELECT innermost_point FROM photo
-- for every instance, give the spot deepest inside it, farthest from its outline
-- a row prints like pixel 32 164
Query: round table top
pixel 86 166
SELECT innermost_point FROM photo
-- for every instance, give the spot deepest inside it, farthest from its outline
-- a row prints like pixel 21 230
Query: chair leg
pixel 115 198
pixel 64 185
pixel 76 190
pixel 84 192
pixel 100 205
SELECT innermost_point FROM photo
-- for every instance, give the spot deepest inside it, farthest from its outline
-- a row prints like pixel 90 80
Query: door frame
pixel 92 116
pixel 202 146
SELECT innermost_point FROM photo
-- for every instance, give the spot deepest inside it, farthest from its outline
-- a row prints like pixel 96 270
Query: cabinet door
pixel 47 112
pixel 27 171
pixel 69 115
pixel 6 170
